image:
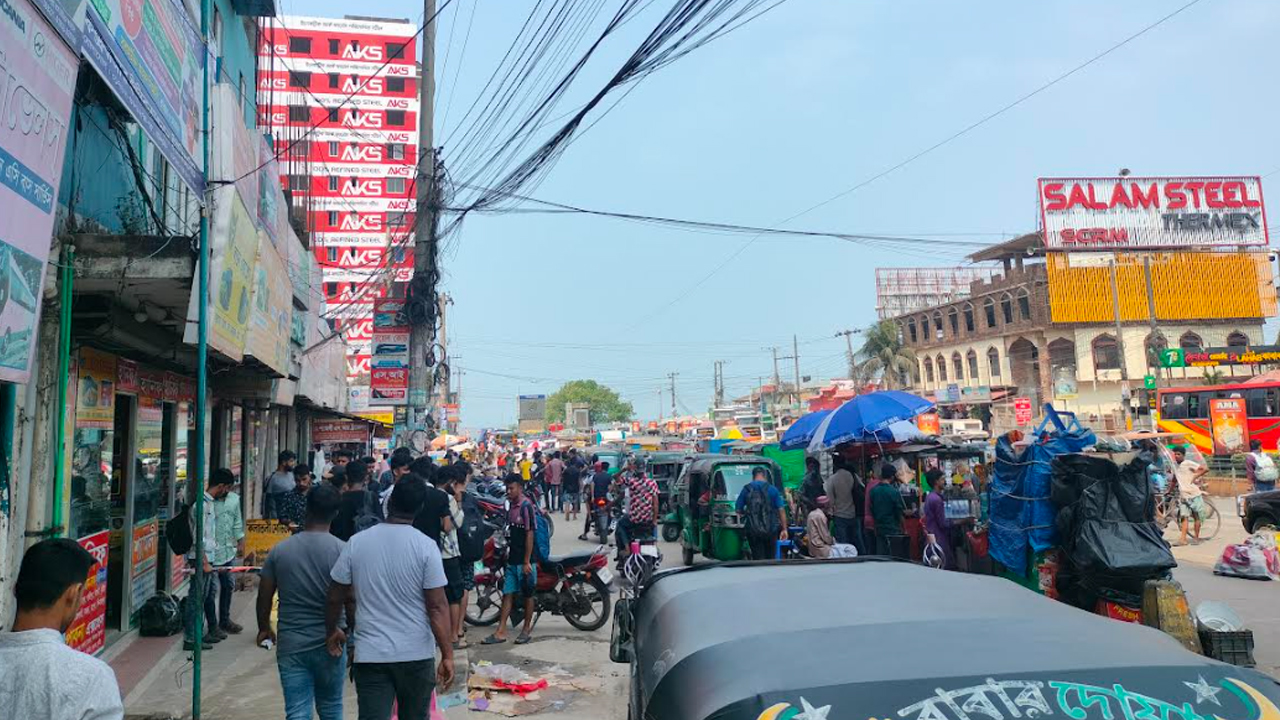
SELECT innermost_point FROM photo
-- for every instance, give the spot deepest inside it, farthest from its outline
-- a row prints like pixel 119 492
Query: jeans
pixel 226 586
pixel 410 684
pixel 848 531
pixel 1260 486
pixel 312 677
pixel 628 530
pixel 198 602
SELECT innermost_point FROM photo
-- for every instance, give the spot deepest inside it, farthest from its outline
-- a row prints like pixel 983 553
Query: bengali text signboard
pixel 143 557
pixel 339 431
pixel 88 630
pixel 37 81
pixel 1022 411
pixel 1220 356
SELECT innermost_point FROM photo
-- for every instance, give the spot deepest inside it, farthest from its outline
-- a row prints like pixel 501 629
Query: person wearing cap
pixel 817 530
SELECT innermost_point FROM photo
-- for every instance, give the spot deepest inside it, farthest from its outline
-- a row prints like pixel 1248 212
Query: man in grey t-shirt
pixel 279 482
pixel 396 576
pixel 299 569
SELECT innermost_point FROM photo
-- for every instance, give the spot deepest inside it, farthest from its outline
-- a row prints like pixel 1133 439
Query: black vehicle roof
pixel 743 634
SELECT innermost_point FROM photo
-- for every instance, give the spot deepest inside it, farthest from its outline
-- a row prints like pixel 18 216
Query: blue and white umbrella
pixel 801 431
pixel 876 417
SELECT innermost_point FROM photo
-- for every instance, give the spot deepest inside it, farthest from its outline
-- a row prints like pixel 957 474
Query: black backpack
pixel 368 515
pixel 178 532
pixel 474 532
pixel 759 516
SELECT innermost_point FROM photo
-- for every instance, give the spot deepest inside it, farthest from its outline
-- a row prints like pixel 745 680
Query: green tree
pixel 606 405
pixel 883 355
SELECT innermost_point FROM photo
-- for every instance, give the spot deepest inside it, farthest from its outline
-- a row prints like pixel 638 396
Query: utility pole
pixel 848 342
pixel 795 357
pixel 1124 371
pixel 202 379
pixel 673 377
pixel 719 379
pixel 659 404
pixel 426 221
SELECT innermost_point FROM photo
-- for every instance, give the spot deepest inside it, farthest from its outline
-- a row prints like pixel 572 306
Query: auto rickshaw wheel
pixel 670 532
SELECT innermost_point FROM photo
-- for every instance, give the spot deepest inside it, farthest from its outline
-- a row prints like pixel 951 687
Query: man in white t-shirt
pixel 40 677
pixel 1191 502
pixel 396 576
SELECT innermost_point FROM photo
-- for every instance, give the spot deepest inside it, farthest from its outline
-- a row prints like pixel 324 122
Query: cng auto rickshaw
pixel 705 498
pixel 778 640
pixel 664 468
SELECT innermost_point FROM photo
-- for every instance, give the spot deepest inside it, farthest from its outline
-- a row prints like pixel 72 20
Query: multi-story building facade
pixel 1044 327
pixel 340 97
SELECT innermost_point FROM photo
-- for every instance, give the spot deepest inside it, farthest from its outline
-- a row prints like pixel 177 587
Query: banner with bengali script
pixel 88 630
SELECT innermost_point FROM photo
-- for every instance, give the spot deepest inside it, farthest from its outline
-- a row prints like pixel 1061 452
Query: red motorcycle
pixel 575 586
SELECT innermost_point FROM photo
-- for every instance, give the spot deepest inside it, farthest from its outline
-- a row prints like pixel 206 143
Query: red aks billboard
pixel 1154 212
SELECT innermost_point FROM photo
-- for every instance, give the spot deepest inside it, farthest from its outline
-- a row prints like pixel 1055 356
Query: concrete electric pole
pixel 422 331
pixel 719 383
pixel 673 377
pixel 848 342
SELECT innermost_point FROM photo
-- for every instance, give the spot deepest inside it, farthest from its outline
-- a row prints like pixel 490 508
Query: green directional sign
pixel 1172 358
pixel 1149 382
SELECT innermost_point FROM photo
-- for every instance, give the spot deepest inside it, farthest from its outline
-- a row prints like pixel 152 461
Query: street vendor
pixel 936 524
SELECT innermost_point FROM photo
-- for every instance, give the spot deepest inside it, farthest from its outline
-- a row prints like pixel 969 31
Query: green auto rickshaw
pixel 705 497
pixel 664 467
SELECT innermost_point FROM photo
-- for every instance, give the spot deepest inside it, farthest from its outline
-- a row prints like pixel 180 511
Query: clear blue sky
pixel 806 102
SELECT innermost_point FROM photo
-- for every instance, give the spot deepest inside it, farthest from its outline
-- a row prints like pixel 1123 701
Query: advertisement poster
pixel 929 423
pixel 339 431
pixel 389 386
pixel 37 80
pixel 88 631
pixel 262 535
pixel 96 390
pixel 1230 426
pixel 142 565
pixel 1022 411
pixel 150 53
pixel 271 312
pixel 235 250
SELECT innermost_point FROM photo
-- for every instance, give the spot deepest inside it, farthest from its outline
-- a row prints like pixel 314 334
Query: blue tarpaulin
pixel 1022 516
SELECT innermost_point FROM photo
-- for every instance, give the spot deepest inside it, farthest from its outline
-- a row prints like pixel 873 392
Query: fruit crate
pixel 1234 647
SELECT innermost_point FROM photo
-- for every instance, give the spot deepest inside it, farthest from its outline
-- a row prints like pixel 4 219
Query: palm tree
pixel 883 355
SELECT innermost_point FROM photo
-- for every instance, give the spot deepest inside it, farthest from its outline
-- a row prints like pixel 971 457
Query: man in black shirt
pixel 433 518
pixel 571 488
pixel 360 507
pixel 598 489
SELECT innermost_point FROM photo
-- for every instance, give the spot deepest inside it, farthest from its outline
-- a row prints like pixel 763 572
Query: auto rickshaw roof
pixel 707 463
pixel 884 639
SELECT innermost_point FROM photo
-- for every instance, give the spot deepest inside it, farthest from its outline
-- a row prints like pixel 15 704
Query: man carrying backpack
pixel 360 507
pixel 472 534
pixel 1260 468
pixel 764 518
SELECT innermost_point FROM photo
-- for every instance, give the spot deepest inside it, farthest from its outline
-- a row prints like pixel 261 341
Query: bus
pixel 1185 410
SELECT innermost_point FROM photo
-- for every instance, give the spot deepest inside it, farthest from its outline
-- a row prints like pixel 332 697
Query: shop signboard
pixel 126 376
pixel 1022 411
pixel 929 423
pixel 235 148
pixel 271 311
pixel 1228 356
pixel 978 394
pixel 357 399
pixel 234 249
pixel 96 390
pixel 327 432
pixel 88 630
pixel 1230 426
pixel 262 535
pixel 151 55
pixel 37 81
pixel 389 315
pixel 1080 214
pixel 389 386
pixel 142 565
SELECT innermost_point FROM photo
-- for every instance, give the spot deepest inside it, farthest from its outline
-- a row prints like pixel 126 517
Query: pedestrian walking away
pixel 298 570
pixel 449 551
pixel 521 576
pixel 764 515
pixel 571 487
pixel 842 490
pixel 40 677
pixel 555 480
pixel 396 577
pixel 228 546
pixel 360 507
pixel 888 509
pixel 1260 468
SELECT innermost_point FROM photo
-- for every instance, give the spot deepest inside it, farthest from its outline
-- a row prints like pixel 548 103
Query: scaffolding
pixel 900 291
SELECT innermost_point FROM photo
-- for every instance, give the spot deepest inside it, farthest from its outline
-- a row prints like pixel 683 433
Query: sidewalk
pixel 239 678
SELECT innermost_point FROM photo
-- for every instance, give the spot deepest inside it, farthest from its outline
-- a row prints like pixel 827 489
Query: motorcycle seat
pixel 571 560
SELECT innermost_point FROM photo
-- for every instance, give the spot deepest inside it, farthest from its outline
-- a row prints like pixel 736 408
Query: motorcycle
pixel 575 586
pixel 601 518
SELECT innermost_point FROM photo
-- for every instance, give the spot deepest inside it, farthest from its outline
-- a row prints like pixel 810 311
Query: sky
pixel 809 101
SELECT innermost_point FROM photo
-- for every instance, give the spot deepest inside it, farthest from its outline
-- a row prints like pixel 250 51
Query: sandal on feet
pixel 493 640
pixel 522 639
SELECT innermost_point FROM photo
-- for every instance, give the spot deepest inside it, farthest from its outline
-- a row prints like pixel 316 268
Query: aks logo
pixel 363 188
pixel 357 119
pixel 401 70
pixel 270 83
pixel 372 86
pixel 399 205
pixel 279 118
pixel 358 364
pixel 400 171
pixel 398 137
pixel 362 153
pixel 398 103
pixel 362 223
pixel 372 53
pixel 358 258
pixel 269 49
pixel 359 331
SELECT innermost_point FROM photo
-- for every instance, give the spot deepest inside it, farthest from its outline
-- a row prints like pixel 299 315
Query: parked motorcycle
pixel 601 518
pixel 575 586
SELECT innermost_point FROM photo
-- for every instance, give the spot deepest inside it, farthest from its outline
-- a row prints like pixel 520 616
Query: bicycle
pixel 1167 512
